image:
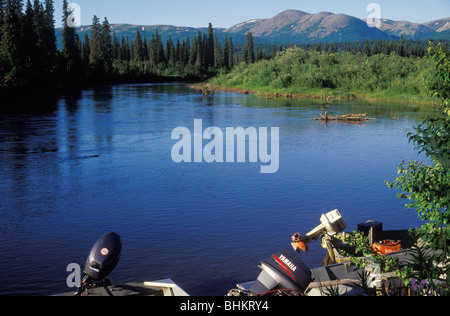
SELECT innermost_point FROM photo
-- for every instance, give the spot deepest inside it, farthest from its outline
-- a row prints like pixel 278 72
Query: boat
pixel 282 274
pixel 160 288
pixel 103 258
pixel 338 275
pixel 341 279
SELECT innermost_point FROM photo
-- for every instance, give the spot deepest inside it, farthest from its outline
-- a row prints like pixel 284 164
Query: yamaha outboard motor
pixel 102 260
pixel 283 272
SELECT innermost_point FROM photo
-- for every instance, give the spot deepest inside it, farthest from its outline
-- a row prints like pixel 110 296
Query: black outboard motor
pixel 283 272
pixel 102 260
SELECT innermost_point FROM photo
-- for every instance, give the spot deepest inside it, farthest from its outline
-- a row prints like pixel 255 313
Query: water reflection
pixel 25 141
pixel 68 113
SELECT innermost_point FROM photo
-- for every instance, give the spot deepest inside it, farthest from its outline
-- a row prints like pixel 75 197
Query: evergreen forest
pixel 30 58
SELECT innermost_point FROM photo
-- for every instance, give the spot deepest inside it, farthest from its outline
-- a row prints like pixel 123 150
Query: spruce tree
pixel 39 29
pixel 226 53
pixel 169 52
pixel 158 49
pixel 200 52
pixel 349 47
pixel 384 48
pixel 44 27
pixel 357 48
pixel 152 50
pixel 274 51
pixel 210 47
pixel 204 51
pixel 367 50
pixel 145 49
pixel 123 54
pixel 106 46
pixel 249 51
pixel 11 49
pixel 186 50
pixel 128 50
pixel 86 49
pixel 178 52
pixel 331 48
pixel 218 54
pixel 49 30
pixel 138 47
pixel 115 47
pixel 375 48
pixel 70 40
pixel 29 36
pixel 193 51
pixel 95 54
pixel 231 53
pixel 401 47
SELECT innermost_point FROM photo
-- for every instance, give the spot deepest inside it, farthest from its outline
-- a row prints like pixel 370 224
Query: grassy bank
pixel 300 74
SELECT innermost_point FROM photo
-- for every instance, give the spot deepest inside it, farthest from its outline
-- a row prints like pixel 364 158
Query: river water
pixel 99 161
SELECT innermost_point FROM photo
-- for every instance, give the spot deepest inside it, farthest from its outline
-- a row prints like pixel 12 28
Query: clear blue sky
pixel 226 13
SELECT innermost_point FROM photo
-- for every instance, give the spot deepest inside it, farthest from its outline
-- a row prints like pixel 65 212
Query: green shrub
pixel 296 70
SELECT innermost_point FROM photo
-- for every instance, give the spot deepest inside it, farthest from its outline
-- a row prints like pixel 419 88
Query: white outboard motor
pixel 102 260
pixel 283 272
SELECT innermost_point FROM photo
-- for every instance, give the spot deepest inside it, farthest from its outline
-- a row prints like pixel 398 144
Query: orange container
pixel 387 246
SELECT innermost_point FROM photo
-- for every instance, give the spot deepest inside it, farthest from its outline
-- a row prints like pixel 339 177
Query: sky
pixel 226 13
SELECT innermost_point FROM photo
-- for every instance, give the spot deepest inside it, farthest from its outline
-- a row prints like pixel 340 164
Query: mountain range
pixel 295 27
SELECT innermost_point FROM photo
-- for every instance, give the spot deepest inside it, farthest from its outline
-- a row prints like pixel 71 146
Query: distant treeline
pixel 29 56
pixel 402 47
pixel 199 57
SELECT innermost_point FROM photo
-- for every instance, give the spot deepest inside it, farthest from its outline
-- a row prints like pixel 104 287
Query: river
pixel 99 161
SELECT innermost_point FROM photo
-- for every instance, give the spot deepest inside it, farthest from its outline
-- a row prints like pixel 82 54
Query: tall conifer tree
pixel 249 50
pixel 70 40
pixel 95 54
pixel 193 51
pixel 106 45
pixel 226 53
pixel 138 47
pixel 218 54
pixel 11 49
pixel 49 33
pixel 86 51
pixel 29 36
pixel 230 53
pixel 210 47
pixel 115 47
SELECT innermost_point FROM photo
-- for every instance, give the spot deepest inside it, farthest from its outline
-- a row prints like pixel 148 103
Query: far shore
pixel 208 89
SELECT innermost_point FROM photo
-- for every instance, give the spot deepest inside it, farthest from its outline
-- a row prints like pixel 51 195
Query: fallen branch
pixel 344 118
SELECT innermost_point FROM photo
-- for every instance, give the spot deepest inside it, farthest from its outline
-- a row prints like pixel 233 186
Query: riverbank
pixel 325 96
pixel 300 74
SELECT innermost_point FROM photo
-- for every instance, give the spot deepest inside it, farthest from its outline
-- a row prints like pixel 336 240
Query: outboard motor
pixel 283 272
pixel 102 260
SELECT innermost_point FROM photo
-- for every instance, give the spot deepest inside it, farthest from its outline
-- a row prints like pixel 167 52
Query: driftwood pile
pixel 343 118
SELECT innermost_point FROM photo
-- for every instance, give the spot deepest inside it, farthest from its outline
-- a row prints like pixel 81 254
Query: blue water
pixel 100 161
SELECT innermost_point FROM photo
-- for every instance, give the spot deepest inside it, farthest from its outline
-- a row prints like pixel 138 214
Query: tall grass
pixel 311 73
